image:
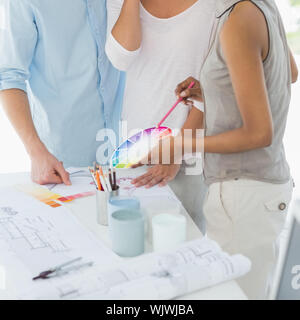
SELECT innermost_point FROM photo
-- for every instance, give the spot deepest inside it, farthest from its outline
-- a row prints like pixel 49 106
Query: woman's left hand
pixel 160 175
pixel 166 151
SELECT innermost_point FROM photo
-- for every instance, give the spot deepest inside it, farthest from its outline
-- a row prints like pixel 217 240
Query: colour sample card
pixel 138 146
pixel 50 198
pixel 41 194
pixel 77 196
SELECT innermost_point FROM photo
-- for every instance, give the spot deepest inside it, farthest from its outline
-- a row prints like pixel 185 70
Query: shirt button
pixel 282 206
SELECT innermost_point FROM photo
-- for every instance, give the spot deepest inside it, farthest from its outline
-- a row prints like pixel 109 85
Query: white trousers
pixel 191 191
pixel 248 217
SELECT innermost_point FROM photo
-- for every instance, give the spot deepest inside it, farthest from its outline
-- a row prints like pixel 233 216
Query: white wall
pixel 289 14
pixel 13 157
pixel 292 135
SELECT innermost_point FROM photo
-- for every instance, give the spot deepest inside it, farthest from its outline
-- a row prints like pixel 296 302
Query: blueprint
pixel 36 237
pixel 196 265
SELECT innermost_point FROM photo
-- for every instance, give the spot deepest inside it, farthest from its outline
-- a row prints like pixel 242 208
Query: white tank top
pixel 171 50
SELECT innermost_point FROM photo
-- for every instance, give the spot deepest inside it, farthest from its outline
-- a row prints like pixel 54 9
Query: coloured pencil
pixel 106 178
pixel 115 179
pixel 98 180
pixel 102 179
pixel 109 186
pixel 93 176
pixel 110 178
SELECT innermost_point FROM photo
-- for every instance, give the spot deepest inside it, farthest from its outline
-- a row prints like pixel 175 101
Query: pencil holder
pixel 102 199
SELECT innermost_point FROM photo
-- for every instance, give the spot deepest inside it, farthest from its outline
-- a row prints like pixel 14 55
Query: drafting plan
pixel 195 265
pixel 125 177
pixel 35 237
pixel 81 182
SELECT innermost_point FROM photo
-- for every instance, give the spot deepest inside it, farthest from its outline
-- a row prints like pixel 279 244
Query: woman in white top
pixel 158 43
pixel 246 86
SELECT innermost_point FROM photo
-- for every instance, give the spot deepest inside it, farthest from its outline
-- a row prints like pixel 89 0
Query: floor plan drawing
pixel 36 232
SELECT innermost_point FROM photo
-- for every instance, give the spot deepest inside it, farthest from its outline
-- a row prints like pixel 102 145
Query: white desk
pixel 85 211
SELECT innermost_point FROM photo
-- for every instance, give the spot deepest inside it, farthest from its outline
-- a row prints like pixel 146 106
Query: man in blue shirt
pixel 56 84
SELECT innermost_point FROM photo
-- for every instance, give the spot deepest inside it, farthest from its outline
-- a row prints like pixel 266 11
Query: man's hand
pixel 159 174
pixel 45 168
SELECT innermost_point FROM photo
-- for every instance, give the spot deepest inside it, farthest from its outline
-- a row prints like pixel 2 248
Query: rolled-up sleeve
pixel 199 105
pixel 18 37
pixel 120 57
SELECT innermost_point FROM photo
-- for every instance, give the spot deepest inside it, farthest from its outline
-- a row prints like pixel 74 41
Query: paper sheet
pixel 125 177
pixel 79 186
pixel 194 266
pixel 81 182
pixel 36 237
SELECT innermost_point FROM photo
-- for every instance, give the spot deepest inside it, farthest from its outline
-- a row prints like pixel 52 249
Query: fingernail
pixel 183 94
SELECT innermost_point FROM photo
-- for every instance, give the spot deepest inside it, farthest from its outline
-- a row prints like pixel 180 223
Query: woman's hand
pixel 195 93
pixel 160 175
pixel 168 150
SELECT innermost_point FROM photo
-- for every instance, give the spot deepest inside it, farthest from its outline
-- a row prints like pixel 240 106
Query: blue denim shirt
pixel 54 51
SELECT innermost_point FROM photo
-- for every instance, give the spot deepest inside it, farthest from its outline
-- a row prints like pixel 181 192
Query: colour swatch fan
pixel 138 146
